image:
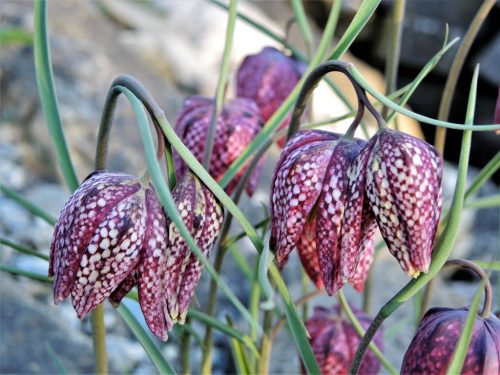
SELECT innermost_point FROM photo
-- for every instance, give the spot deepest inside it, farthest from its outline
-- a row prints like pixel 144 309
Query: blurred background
pixel 175 47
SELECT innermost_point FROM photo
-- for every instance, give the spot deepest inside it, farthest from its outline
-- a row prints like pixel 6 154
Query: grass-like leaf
pixel 359 21
pixel 147 343
pixel 47 91
pixel 35 210
pixel 15 35
pixel 458 359
pixel 22 249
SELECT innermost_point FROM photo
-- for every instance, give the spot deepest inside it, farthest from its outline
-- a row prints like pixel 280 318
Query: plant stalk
pixel 394 49
pixel 266 344
pixel 185 349
pixel 99 340
pixel 456 68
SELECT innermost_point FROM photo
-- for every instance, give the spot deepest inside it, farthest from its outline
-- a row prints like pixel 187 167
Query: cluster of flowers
pixel 113 233
pixel 330 192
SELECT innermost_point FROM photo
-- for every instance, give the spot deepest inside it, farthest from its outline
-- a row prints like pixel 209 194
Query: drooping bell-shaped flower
pixel 401 177
pixel 311 182
pixel 334 341
pixel 111 232
pixel 237 125
pixel 432 348
pixel 268 77
pixel 203 216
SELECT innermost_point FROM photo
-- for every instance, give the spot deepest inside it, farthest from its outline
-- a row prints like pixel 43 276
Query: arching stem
pixel 107 118
pixel 463 263
pixel 313 80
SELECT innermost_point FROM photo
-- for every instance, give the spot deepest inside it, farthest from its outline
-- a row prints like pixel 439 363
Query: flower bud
pixel 334 341
pixel 268 78
pixel 203 216
pixel 432 348
pixel 110 235
pixel 237 125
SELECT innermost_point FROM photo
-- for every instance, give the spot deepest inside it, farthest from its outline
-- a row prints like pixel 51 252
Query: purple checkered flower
pixel 399 176
pixel 111 235
pixel 203 216
pixel 237 125
pixel 311 183
pixel 334 341
pixel 268 77
pixel 432 348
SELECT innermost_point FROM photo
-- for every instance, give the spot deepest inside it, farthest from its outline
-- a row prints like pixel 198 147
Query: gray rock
pixel 28 328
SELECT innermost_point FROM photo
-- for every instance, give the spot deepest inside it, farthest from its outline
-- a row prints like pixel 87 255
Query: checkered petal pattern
pixel 312 184
pixel 203 216
pixel 268 77
pixel 110 236
pixel 334 341
pixel 237 125
pixel 432 348
pixel 403 187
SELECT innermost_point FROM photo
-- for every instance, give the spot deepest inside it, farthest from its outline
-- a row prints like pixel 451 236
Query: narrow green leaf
pixel 484 175
pixel 30 275
pixel 431 64
pixel 239 356
pixel 357 24
pixel 462 346
pixel 55 358
pixel 47 91
pixel 147 343
pixel 301 18
pixel 15 35
pixel 22 249
pixel 389 103
pixel 224 328
pixel 35 210
pixel 484 202
pixel 221 83
pixel 491 265
pixel 265 260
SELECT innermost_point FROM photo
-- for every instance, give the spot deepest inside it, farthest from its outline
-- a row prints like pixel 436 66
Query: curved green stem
pixel 360 331
pixel 456 68
pixel 107 118
pixel 312 81
pixel 463 263
pixel 443 247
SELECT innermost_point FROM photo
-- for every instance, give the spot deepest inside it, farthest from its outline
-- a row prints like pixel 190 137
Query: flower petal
pixel 153 268
pixel 331 205
pixel 307 252
pixel 365 251
pixel 178 253
pixel 296 187
pixel 111 255
pixel 403 186
pixel 205 236
pixel 76 225
pixel 353 220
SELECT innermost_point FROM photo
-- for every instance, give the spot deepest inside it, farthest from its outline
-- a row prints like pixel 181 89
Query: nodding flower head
pixel 311 183
pixel 334 341
pixel 268 77
pixel 203 216
pixel 402 175
pixel 111 235
pixel 237 125
pixel 432 348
